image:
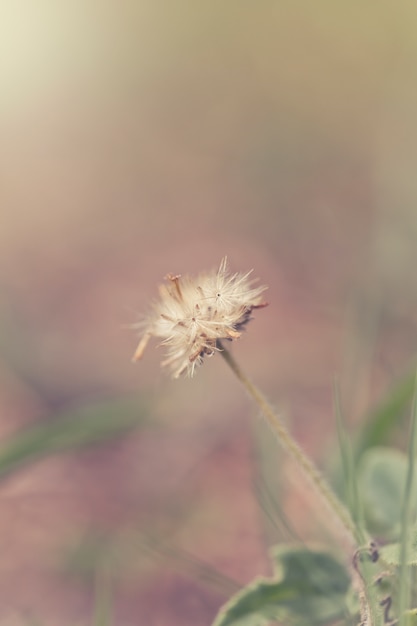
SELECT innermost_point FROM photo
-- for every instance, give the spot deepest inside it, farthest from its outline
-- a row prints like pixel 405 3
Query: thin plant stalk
pixel 304 463
pixel 404 583
pixel 349 470
pixel 311 474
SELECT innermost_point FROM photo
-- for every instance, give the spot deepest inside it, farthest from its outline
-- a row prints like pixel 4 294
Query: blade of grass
pixel 189 563
pixel 348 467
pixel 381 422
pixel 103 604
pixel 404 582
pixel 266 485
pixel 71 430
pixel 272 511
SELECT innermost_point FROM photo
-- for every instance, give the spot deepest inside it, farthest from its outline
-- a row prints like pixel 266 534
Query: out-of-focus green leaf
pixel 348 469
pixel 381 422
pixel 95 552
pixel 408 512
pixel 411 617
pixel 124 554
pixel 381 478
pixel 309 588
pixel 103 600
pixel 391 552
pixel 81 427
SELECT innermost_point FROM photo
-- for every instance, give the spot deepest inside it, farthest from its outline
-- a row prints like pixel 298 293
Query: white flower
pixel 193 315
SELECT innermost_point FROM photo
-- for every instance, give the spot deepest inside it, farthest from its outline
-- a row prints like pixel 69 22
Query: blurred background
pixel 141 138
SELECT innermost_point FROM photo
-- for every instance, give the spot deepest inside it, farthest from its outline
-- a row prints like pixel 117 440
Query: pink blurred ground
pixel 138 141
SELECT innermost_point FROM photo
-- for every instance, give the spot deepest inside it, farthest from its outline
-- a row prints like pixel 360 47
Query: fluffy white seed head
pixel 192 315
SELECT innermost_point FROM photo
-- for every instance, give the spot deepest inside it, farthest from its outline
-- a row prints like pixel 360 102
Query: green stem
pixel 404 582
pixel 306 466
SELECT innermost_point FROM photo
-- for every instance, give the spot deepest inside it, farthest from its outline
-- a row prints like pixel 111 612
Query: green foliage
pixel 385 418
pixel 348 468
pixel 308 588
pixel 312 587
pixel 103 603
pixel 94 552
pixel 391 553
pixel 85 426
pixel 411 618
pixel 381 478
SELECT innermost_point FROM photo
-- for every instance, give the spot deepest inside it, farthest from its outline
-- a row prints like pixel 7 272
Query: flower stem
pixel 305 464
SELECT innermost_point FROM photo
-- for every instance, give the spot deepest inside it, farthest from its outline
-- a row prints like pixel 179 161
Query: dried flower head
pixel 193 315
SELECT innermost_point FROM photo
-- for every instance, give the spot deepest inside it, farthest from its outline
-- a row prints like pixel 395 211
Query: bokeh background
pixel 141 138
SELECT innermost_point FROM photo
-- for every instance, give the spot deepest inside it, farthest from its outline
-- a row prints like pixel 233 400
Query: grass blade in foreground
pixel 103 604
pixel 349 470
pixel 85 426
pixel 385 418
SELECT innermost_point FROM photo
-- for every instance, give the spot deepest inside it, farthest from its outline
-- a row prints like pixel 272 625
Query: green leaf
pixel 385 418
pixel 391 552
pixel 410 617
pixel 95 552
pixel 103 600
pixel 381 478
pixel 309 588
pixel 348 469
pixel 85 426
